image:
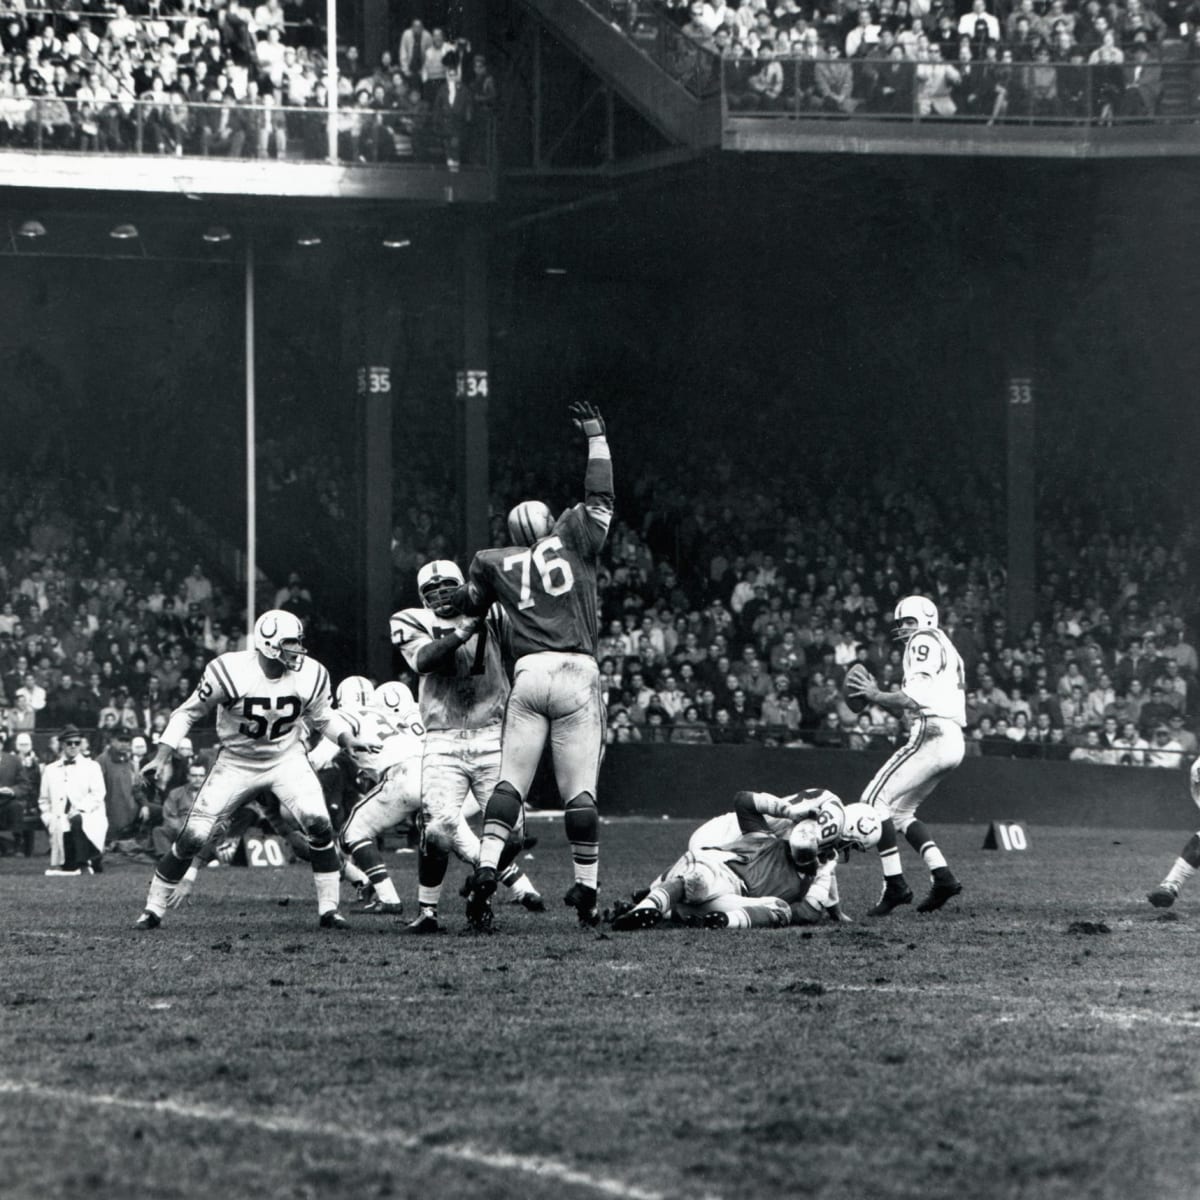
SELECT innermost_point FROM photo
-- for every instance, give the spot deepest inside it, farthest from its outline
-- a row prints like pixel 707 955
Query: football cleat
pixel 426 922
pixel 716 920
pixel 942 890
pixel 479 902
pixel 364 893
pixel 387 907
pixel 645 916
pixel 583 900
pixel 148 920
pixel 1164 895
pixel 333 920
pixel 894 895
pixel 531 901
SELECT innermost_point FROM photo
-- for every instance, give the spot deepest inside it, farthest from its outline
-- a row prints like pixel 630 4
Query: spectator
pixel 1157 712
pixel 1129 747
pixel 1164 750
pixel 1092 751
pixel 1185 737
pixel 177 805
pixel 71 802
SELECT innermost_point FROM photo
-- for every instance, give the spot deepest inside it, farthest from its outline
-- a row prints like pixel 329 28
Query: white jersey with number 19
pixel 934 676
pixel 258 718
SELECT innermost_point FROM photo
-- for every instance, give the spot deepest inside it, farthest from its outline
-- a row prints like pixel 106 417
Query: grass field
pixel 986 1051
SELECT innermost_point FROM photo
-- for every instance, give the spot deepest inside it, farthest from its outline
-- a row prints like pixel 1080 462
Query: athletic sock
pixel 385 890
pixel 1179 874
pixel 582 823
pixel 160 893
pixel 428 897
pixel 501 815
pixel 351 874
pixel 328 885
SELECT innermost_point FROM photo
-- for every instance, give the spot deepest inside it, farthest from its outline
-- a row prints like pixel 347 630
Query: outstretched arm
pixel 599 496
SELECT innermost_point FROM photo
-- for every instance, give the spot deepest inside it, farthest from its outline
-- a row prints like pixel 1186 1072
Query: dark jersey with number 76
pixel 548 590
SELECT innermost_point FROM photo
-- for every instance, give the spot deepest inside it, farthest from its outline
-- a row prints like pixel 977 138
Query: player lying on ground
pixel 779 868
pixel 263 699
pixel 1188 862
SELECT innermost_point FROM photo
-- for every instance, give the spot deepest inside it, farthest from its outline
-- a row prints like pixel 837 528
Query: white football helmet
pixel 529 521
pixel 862 827
pixel 804 842
pixel 436 575
pixel 355 692
pixel 920 609
pixel 280 636
pixel 394 697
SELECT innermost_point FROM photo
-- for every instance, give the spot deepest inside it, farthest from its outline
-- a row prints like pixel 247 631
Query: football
pixel 857 673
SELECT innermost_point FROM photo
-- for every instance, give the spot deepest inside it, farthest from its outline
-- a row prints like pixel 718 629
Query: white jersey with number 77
pixel 934 676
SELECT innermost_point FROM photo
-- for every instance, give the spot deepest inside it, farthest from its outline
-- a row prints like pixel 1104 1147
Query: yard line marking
pixel 1127 1018
pixel 540 1167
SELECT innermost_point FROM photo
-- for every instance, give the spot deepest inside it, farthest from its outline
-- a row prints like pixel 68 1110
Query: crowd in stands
pixel 733 617
pixel 730 613
pixel 987 59
pixel 217 77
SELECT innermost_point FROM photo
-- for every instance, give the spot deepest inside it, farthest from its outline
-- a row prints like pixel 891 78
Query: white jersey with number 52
pixel 258 717
pixel 934 676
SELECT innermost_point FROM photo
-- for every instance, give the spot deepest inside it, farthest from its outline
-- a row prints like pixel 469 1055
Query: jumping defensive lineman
pixel 546 583
pixel 934 696
pixel 263 699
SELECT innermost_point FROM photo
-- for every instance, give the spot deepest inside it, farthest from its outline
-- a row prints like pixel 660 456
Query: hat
pixel 120 734
pixel 1160 728
pixel 69 731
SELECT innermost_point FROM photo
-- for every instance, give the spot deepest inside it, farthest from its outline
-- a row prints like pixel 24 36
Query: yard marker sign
pixel 1006 835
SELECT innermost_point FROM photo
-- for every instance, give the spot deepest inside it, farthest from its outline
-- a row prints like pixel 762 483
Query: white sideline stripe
pixel 1127 1018
pixel 541 1168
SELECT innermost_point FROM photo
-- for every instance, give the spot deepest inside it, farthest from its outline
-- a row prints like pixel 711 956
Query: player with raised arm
pixel 933 697
pixel 263 697
pixel 462 694
pixel 770 862
pixel 546 583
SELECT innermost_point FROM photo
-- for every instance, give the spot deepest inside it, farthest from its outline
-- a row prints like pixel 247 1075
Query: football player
pixel 770 862
pixel 933 697
pixel 462 694
pixel 388 779
pixel 1188 862
pixel 546 583
pixel 263 697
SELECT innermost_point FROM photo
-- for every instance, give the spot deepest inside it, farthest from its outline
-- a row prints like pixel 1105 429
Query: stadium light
pixel 308 237
pixel 124 232
pixel 31 229
pixel 391 243
pixel 216 234
pixel 556 270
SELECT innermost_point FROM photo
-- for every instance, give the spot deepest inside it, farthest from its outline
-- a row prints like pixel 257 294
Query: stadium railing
pixel 690 64
pixel 50 124
pixel 986 91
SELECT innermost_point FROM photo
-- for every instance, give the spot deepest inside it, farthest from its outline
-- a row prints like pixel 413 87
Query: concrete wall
pixel 697 781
